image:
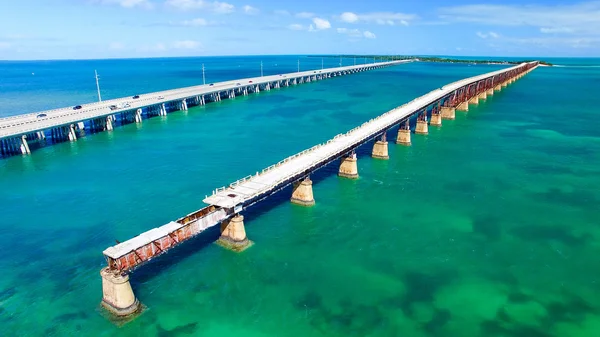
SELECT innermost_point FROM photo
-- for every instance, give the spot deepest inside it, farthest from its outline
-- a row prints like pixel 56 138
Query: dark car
pixel 41 116
pixel 113 107
pixel 136 96
pixel 210 85
pixel 249 81
pixel 77 107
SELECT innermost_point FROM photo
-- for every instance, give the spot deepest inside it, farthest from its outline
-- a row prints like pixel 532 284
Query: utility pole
pixel 203 77
pixel 298 65
pixel 322 63
pixel 261 69
pixel 340 61
pixel 354 60
pixel 98 86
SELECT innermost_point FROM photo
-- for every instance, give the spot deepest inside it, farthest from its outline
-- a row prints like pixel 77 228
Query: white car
pixel 161 97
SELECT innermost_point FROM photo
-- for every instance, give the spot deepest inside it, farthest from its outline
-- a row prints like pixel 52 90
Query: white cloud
pixel 356 33
pixel 128 3
pixel 214 6
pixel 116 46
pixel 492 35
pixel 186 44
pixel 573 18
pixel 305 15
pixel 198 22
pixel 349 17
pixel 369 35
pixel 321 24
pixel 4 45
pixel 250 10
pixel 296 26
pixel 380 18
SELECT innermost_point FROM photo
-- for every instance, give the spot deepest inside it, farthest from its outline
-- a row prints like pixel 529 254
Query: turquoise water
pixel 488 226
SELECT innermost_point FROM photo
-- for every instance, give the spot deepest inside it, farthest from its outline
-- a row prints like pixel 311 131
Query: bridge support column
pixel 483 95
pixel 474 100
pixel 109 126
pixel 436 119
pixel 138 116
pixel 163 110
pixel 490 92
pixel 498 87
pixel 24 145
pixel 448 112
pixel 380 149
pixel 233 234
pixel 422 128
pixel 41 135
pixel 184 106
pixel 303 193
pixel 72 134
pixel 117 295
pixel 403 135
pixel 349 168
pixel 505 84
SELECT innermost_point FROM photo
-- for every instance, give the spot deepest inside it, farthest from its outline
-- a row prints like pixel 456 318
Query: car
pixel 238 84
pixel 136 96
pixel 249 81
pixel 41 116
pixel 314 72
pixel 280 75
pixel 161 97
pixel 113 107
pixel 77 107
pixel 126 105
pixel 210 85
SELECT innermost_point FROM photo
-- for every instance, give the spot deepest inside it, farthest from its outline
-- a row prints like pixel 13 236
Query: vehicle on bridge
pixel 136 96
pixel 41 116
pixel 77 107
pixel 161 97
pixel 113 107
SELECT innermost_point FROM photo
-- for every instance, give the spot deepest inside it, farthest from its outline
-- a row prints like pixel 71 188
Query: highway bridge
pixel 225 204
pixel 67 124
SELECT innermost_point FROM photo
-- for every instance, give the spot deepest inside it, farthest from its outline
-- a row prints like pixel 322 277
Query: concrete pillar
pixel 138 116
pixel 303 193
pixel 498 87
pixel 504 84
pixel 233 234
pixel 41 135
pixel 403 136
pixel 184 106
pixel 474 100
pixel 483 95
pixel 349 168
pixel 421 128
pixel 24 145
pixel 163 110
pixel 117 295
pixel 490 92
pixel 72 134
pixel 436 119
pixel 380 150
pixel 109 125
pixel 448 112
pixel 464 106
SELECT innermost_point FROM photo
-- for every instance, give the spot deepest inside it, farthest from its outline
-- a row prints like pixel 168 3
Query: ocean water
pixel 488 226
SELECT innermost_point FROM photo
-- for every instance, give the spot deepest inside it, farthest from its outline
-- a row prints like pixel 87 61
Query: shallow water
pixel 488 226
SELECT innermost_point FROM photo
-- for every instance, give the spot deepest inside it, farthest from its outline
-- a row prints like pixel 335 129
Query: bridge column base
pixel 504 84
pixel 233 234
pixel 436 120
pixel 421 128
pixel 490 92
pixel 303 193
pixel 448 112
pixel 349 167
pixel 483 95
pixel 464 106
pixel 498 87
pixel 117 295
pixel 403 137
pixel 24 145
pixel 72 134
pixel 474 100
pixel 380 150
pixel 138 116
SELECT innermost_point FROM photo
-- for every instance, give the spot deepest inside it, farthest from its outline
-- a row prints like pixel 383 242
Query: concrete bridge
pixel 67 124
pixel 226 203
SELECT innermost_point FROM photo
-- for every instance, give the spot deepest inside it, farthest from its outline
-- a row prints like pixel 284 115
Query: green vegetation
pixel 431 59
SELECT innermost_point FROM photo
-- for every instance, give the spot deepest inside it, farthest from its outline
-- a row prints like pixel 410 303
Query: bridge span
pixel 226 203
pixel 67 124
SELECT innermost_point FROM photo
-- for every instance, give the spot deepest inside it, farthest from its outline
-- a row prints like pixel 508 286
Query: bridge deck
pixel 29 123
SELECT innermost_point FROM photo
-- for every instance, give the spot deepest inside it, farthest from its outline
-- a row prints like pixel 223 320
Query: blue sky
pixel 83 29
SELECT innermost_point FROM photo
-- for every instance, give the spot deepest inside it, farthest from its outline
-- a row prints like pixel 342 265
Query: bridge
pixel 67 124
pixel 226 203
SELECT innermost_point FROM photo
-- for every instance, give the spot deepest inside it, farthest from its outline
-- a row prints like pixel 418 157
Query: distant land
pixel 433 59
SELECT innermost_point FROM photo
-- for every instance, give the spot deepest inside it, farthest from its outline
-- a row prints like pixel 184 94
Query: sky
pixel 92 29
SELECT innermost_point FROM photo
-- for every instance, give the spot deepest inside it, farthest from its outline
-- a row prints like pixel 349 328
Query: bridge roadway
pixel 227 201
pixel 15 126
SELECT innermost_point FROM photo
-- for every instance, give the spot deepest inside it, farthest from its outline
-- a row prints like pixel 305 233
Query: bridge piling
pixel 303 193
pixel 117 295
pixel 448 112
pixel 233 234
pixel 349 167
pixel 403 137
pixel 138 116
pixel 422 128
pixel 24 145
pixel 380 149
